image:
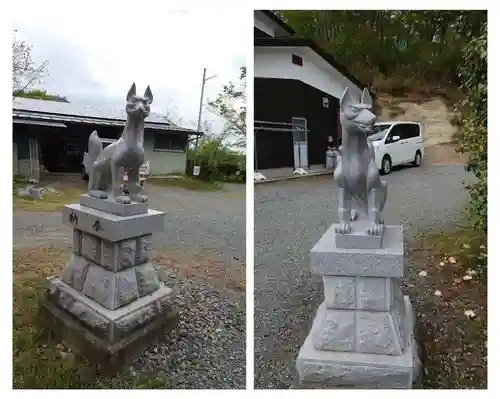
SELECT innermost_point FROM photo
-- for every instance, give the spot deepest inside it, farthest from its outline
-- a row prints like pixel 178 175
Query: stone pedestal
pixel 108 303
pixel 363 332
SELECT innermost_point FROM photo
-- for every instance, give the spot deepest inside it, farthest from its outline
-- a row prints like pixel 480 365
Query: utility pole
pixel 205 79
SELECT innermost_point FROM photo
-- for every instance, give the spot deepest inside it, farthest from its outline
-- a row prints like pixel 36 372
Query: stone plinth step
pixel 388 261
pixel 107 324
pixel 108 357
pixel 112 227
pixel 110 206
pixel 357 238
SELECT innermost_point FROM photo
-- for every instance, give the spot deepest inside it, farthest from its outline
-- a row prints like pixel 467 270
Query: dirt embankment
pixel 438 118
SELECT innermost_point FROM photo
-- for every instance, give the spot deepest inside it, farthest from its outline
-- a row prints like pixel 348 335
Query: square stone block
pixel 75 272
pixel 340 292
pixel 374 293
pixel 334 330
pixel 126 253
pixel 112 227
pixel 144 245
pixel 77 242
pixel 388 261
pixel 357 238
pixel 376 333
pixel 91 248
pixel 147 279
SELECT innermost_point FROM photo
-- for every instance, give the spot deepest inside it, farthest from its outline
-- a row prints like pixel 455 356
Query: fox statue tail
pixel 95 148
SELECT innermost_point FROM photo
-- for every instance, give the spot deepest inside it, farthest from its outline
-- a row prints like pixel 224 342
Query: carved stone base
pixel 107 357
pixel 331 369
pixel 110 325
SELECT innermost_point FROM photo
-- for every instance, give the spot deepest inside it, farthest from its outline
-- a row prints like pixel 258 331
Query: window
pixel 297 60
pixel 395 131
pixel 410 131
pixel 299 129
pixel 169 142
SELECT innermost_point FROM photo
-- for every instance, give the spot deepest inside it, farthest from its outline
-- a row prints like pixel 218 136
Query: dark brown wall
pixel 278 100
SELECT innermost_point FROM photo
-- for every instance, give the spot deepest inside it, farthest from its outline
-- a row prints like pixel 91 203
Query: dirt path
pixel 443 154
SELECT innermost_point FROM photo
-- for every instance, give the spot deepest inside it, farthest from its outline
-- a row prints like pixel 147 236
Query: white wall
pixel 262 22
pixel 276 62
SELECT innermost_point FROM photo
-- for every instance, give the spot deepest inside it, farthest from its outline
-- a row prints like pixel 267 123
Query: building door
pixel 299 131
pixel 15 161
pixel 34 159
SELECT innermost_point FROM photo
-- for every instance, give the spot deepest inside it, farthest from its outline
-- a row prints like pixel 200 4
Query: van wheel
pixel 418 159
pixel 386 165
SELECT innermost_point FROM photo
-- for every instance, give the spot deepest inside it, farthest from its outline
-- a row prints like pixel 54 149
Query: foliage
pixel 473 136
pixel 24 71
pixel 412 49
pixel 40 95
pixel 217 160
pixel 231 105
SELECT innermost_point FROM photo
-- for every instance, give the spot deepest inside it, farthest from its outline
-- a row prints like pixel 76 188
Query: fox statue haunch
pixel 357 174
pixel 104 166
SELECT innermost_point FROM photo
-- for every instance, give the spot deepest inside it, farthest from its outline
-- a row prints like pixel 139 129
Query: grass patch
pixel 447 279
pixel 53 201
pixel 39 360
pixel 187 183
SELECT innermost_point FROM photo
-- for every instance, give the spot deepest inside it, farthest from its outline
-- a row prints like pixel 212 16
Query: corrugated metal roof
pixel 84 113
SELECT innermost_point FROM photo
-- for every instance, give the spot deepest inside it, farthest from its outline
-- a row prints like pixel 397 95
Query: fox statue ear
pixel 148 94
pixel 131 92
pixel 366 98
pixel 345 99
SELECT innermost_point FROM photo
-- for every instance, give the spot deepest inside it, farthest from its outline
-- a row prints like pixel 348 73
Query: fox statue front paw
pixel 344 228
pixel 375 229
pixel 140 198
pixel 123 199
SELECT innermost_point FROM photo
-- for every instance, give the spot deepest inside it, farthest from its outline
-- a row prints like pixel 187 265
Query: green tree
pixel 231 106
pixel 25 73
pixel 40 95
pixel 412 48
pixel 473 136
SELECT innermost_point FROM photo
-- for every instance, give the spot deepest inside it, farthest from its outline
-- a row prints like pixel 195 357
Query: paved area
pixel 196 223
pixel 290 216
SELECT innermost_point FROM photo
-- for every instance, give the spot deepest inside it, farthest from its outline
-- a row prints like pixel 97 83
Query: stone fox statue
pixel 357 174
pixel 105 166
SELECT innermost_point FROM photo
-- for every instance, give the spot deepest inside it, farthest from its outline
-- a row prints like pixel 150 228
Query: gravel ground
pixel 290 217
pixel 207 349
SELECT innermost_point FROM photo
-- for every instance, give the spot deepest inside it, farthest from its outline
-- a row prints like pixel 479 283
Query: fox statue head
pixel 138 106
pixel 356 116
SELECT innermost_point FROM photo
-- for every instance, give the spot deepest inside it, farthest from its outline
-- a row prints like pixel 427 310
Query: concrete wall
pixel 163 162
pixel 276 62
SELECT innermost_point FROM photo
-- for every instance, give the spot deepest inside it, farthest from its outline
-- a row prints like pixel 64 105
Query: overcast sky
pixel 96 52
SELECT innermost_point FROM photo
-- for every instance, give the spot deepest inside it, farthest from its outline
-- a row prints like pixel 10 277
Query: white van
pixel 397 143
